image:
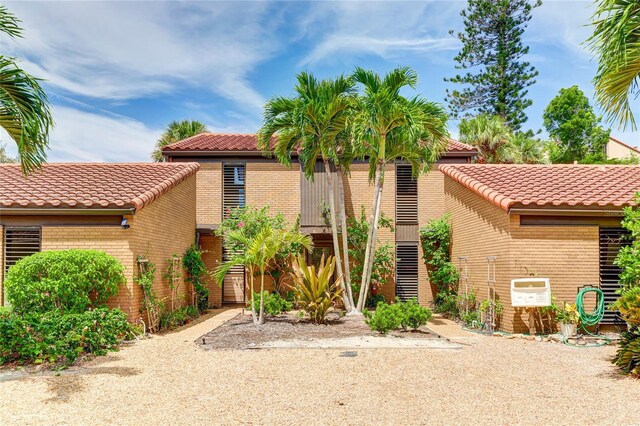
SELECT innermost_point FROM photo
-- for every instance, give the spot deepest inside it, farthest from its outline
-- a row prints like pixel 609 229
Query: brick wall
pixel 274 185
pixel 430 206
pixel 162 229
pixel 480 229
pixel 110 239
pixel 209 193
pixel 568 255
pixel 212 258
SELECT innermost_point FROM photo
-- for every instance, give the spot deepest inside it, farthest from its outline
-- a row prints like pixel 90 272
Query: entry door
pixel 611 240
pixel 407 271
pixel 233 287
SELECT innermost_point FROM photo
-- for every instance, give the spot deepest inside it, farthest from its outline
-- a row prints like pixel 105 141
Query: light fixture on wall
pixel 124 224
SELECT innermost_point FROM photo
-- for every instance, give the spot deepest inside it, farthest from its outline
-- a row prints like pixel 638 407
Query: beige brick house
pixel 234 173
pixel 125 210
pixel 560 222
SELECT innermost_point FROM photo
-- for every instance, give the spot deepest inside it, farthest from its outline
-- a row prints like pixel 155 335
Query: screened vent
pixel 233 189
pixel 406 196
pixel 611 240
pixel 407 271
pixel 19 243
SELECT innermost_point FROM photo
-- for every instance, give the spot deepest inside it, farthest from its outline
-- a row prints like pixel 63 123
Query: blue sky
pixel 118 72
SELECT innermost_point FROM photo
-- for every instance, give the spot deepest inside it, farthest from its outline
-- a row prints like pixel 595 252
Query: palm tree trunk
pixel 372 237
pixel 334 233
pixel 261 318
pixel 345 243
pixel 254 315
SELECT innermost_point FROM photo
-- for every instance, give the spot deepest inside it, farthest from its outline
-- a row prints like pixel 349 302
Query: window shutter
pixel 611 241
pixel 406 271
pixel 233 187
pixel 20 242
pixel 406 196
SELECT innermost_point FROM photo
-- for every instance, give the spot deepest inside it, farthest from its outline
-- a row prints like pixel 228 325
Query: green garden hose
pixel 589 319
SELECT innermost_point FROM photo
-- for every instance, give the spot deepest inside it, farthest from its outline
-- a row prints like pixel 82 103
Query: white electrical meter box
pixel 530 292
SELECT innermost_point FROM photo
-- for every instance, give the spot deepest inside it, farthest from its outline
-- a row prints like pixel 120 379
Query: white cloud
pixel 124 50
pixel 385 29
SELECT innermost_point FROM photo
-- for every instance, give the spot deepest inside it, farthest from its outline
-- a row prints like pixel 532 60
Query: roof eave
pixel 609 211
pixel 53 211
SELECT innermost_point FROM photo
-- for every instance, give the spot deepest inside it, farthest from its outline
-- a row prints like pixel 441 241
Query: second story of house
pixel 234 173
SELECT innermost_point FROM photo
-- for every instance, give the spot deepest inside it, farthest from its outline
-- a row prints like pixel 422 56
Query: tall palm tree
pixel 528 149
pixel 174 132
pixel 314 122
pixel 260 252
pixel 389 127
pixel 492 136
pixel 24 107
pixel 616 44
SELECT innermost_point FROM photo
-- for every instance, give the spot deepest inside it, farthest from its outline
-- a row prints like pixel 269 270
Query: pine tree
pixel 492 51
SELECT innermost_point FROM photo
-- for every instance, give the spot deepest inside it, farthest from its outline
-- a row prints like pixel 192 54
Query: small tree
pixel 492 52
pixel 258 256
pixel 389 127
pixel 576 129
pixel 628 258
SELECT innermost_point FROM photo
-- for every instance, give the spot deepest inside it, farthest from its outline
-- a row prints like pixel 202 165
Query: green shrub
pixel 384 319
pixel 71 281
pixel 196 271
pixel 57 337
pixel 178 317
pixel 374 299
pixel 412 315
pixel 447 303
pixel 274 304
pixel 471 318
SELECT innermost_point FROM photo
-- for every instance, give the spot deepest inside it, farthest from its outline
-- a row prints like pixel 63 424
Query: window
pixel 407 271
pixel 406 196
pixel 20 242
pixel 233 189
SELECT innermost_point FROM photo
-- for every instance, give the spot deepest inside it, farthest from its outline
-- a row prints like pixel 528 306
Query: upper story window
pixel 233 186
pixel 406 196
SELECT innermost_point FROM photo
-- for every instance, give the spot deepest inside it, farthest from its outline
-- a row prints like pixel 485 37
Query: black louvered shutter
pixel 407 271
pixel 611 240
pixel 406 196
pixel 20 242
pixel 233 187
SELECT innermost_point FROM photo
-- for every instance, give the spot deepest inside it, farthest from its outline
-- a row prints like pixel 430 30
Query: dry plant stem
pixel 334 233
pixel 261 318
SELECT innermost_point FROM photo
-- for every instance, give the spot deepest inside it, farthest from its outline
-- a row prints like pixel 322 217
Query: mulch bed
pixel 241 333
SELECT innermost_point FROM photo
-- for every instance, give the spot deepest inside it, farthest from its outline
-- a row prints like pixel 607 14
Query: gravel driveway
pixel 170 380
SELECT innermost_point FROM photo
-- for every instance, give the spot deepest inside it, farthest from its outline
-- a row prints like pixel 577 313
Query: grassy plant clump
pixel 180 316
pixel 412 315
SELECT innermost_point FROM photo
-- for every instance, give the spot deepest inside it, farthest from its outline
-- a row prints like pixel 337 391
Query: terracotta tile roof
pixel 90 185
pixel 633 148
pixel 221 142
pixel 549 186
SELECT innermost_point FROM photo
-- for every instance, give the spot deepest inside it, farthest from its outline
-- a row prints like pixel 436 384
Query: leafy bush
pixel 446 303
pixel 471 318
pixel 405 315
pixel 274 304
pixel 435 239
pixel 384 319
pixel 196 271
pixel 629 306
pixel 178 317
pixel 71 281
pixel 412 315
pixel 315 293
pixel 628 258
pixel 60 337
pixel 374 299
